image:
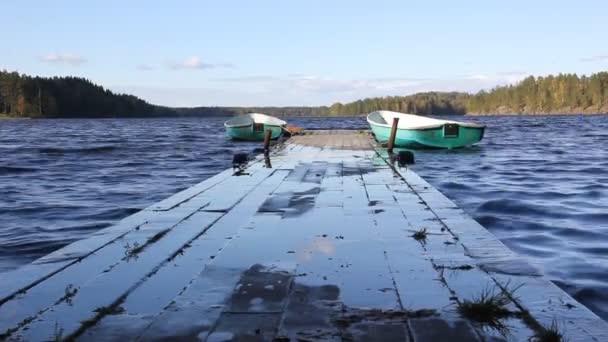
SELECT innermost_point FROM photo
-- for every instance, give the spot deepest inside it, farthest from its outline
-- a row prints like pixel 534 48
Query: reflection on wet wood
pixel 324 239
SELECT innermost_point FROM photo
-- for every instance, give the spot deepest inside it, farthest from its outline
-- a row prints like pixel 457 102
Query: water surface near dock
pixel 537 182
pixel 323 239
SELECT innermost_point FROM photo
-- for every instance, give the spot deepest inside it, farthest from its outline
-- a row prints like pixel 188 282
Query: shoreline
pixel 6 117
pixel 170 241
pixel 533 114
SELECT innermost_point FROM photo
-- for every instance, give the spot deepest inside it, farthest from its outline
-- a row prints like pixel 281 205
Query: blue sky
pixel 188 53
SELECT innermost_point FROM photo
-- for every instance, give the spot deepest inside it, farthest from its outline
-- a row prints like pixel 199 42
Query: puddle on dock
pixel 290 204
pixel 303 183
pixel 260 290
pixel 308 173
pixel 267 304
pixel 323 252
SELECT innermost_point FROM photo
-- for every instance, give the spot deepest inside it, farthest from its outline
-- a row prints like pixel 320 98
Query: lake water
pixel 540 183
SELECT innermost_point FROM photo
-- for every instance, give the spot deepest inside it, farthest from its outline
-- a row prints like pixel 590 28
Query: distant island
pixel 23 96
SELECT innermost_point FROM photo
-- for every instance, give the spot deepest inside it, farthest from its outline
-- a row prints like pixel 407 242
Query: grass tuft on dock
pixel 490 306
pixel 58 334
pixel 420 234
pixel 550 334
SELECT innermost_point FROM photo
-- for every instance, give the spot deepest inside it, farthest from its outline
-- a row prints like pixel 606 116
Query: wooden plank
pixel 547 303
pixel 53 290
pixel 355 197
pixel 21 279
pixel 247 249
pixel 41 297
pixel 109 257
pixel 211 294
pixel 27 276
pixel 362 280
pixel 173 281
pixel 417 282
pixel 255 166
pixel 224 198
pixel 187 194
pixel 418 293
pixel 100 295
pixel 324 237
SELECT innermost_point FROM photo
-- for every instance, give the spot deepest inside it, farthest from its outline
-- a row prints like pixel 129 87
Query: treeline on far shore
pixel 27 96
pixel 431 103
pixel 561 94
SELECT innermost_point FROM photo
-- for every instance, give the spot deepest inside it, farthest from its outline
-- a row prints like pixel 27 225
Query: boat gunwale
pixel 425 127
pixel 251 124
pixel 277 122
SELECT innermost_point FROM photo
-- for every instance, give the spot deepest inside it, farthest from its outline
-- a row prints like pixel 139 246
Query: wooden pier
pixel 325 240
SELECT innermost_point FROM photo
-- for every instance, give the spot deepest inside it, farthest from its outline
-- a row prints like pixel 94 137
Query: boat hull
pixel 430 137
pixel 250 134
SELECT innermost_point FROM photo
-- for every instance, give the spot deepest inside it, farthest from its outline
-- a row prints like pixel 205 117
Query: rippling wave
pixel 539 183
pixel 5 170
pixel 92 149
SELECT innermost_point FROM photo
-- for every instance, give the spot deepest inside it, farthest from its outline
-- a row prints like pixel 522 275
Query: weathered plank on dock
pixel 320 246
pixel 343 139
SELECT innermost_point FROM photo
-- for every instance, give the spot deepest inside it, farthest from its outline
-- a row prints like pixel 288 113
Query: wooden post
pixel 391 140
pixel 267 161
pixel 267 140
pixel 40 101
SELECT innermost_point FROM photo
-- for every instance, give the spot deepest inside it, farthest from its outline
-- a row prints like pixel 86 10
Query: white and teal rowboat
pixel 253 127
pixel 419 131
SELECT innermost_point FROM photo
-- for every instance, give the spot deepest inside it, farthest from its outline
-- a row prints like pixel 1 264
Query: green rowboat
pixel 253 127
pixel 416 131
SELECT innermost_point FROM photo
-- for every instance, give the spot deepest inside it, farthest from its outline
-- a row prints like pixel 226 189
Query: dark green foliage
pixel 564 93
pixel 274 111
pixel 490 307
pixel 58 336
pixel 487 307
pixel 561 94
pixel 25 96
pixel 423 103
pixel 436 103
pixel 549 334
pixel 420 234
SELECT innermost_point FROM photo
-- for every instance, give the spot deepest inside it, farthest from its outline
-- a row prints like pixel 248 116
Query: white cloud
pixel 478 77
pixel 311 84
pixel 598 58
pixel 511 73
pixel 513 77
pixel 144 67
pixel 196 63
pixel 483 81
pixel 311 90
pixel 66 58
